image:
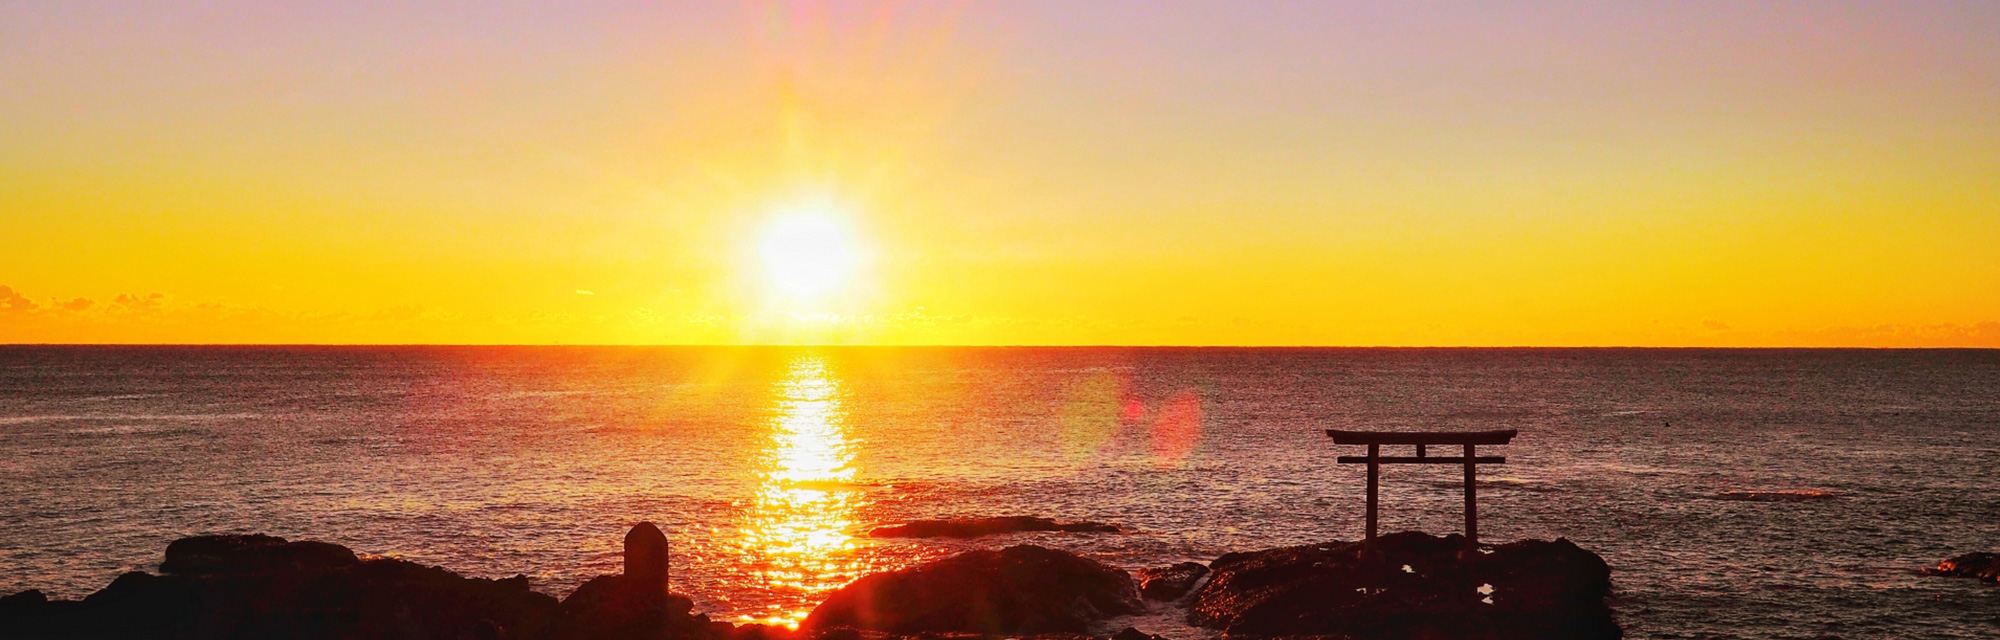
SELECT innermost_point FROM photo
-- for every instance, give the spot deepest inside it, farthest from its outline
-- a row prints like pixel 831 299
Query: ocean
pixel 1735 493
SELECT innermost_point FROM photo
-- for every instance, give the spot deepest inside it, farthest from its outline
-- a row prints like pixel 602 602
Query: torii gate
pixel 1467 439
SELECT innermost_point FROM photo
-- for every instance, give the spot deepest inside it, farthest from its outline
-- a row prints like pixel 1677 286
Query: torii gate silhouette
pixel 1467 439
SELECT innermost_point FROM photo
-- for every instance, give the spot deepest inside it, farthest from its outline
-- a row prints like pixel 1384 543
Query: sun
pixel 807 255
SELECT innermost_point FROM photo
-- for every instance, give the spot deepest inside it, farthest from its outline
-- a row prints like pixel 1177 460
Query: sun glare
pixel 807 256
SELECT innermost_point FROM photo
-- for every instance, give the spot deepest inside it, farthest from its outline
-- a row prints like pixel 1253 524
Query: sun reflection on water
pixel 795 536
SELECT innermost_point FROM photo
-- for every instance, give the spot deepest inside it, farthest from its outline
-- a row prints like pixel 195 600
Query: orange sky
pixel 1553 173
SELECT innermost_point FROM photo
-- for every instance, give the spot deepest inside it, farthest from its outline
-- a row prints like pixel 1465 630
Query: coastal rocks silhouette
pixel 1980 565
pixel 1171 582
pixel 257 586
pixel 1023 589
pixel 266 587
pixel 1420 588
pixel 976 527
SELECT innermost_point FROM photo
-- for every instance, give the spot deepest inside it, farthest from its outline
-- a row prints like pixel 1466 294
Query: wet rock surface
pixel 1980 565
pixel 1023 589
pixel 1413 586
pixel 1170 582
pixel 975 527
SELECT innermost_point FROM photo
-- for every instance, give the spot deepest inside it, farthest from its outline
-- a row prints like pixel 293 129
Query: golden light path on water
pixel 795 535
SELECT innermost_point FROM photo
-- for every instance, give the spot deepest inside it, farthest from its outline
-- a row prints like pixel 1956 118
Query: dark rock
pixel 251 554
pixel 646 557
pixel 975 527
pixel 262 587
pixel 30 599
pixel 1981 565
pixel 618 607
pixel 1528 589
pixel 1019 590
pixel 1133 633
pixel 1170 583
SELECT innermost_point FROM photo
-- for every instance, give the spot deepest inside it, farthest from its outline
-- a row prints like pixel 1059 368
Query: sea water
pixel 1735 493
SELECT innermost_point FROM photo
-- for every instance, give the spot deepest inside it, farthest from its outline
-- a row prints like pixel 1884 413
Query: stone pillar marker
pixel 646 558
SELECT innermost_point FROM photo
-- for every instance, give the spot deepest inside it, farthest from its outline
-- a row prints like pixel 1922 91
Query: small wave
pixel 1516 484
pixel 129 430
pixel 512 395
pixel 1775 495
pixel 122 396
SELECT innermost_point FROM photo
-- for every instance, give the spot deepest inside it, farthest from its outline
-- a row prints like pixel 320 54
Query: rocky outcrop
pixel 975 527
pixel 1409 585
pixel 1412 586
pixel 1019 590
pixel 618 606
pixel 1171 582
pixel 1981 565
pixel 266 587
pixel 252 554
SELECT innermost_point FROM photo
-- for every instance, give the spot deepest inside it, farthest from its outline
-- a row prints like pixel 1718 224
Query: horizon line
pixel 994 346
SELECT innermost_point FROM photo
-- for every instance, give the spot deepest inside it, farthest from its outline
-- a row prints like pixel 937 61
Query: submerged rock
pixel 1019 590
pixel 975 527
pixel 1172 582
pixel 1419 587
pixel 1780 495
pixel 1981 565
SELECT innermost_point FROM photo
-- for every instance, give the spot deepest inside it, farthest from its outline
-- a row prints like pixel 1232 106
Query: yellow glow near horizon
pixel 807 255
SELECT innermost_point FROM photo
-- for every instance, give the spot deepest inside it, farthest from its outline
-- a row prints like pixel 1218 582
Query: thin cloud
pixel 12 301
pixel 136 301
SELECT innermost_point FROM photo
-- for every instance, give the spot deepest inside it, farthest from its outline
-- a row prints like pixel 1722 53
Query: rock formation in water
pixel 1419 588
pixel 1172 582
pixel 1023 589
pixel 1981 565
pixel 975 527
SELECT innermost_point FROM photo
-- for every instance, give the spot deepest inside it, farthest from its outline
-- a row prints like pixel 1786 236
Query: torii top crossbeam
pixel 1421 439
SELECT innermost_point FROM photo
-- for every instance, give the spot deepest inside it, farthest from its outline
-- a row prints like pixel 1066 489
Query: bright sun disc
pixel 806 256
